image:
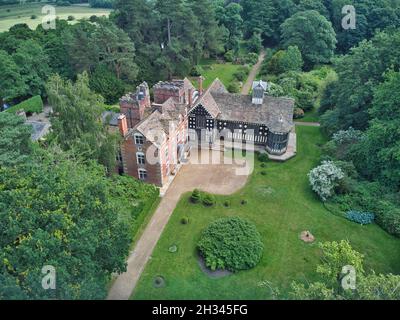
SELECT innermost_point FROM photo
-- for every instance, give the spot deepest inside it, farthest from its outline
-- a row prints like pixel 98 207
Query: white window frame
pixel 142 156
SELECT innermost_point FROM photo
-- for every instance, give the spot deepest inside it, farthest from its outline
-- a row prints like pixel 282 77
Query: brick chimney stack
pixel 190 96
pixel 201 85
pixel 123 125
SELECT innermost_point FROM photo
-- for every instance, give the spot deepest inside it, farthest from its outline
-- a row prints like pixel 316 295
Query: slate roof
pixel 217 86
pixel 39 129
pixel 276 113
pixel 112 118
pixel 153 128
pixel 186 84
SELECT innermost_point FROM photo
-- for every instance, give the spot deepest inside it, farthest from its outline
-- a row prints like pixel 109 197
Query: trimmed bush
pixel 263 173
pixel 232 244
pixel 31 105
pixel 227 204
pixel 263 165
pixel 234 87
pixel 360 217
pixel 34 16
pixel 243 202
pixel 263 157
pixel 71 18
pixel 196 196
pixel 208 200
pixel 63 3
pixel 240 75
pixel 185 220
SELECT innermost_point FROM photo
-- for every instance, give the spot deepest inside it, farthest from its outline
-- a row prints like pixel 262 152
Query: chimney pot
pixel 201 85
pixel 190 98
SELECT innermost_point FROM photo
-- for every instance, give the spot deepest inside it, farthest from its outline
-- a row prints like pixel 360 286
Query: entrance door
pixel 200 122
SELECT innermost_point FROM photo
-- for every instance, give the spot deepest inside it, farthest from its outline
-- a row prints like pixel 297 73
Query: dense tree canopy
pixel 337 255
pixel 76 123
pixel 55 211
pixel 313 34
pixel 358 74
pixel 15 143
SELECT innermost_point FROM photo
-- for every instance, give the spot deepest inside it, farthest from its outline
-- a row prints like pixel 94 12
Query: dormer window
pixel 259 89
pixel 139 139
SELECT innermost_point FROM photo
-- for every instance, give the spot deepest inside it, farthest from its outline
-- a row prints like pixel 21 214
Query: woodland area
pixel 58 197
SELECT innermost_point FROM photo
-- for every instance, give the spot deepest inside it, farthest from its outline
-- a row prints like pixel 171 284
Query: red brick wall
pixel 162 95
pixel 129 150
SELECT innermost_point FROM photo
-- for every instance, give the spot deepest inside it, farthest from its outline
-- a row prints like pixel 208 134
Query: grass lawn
pixel 22 14
pixel 282 205
pixel 213 70
pixel 310 116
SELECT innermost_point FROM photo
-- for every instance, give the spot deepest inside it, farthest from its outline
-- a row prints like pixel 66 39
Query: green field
pixel 282 205
pixel 213 70
pixel 14 14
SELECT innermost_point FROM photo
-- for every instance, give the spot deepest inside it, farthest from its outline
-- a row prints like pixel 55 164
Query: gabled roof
pixel 261 84
pixel 218 86
pixel 153 128
pixel 207 100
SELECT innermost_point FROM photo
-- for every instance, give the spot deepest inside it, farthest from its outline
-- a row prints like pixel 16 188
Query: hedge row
pixel 31 105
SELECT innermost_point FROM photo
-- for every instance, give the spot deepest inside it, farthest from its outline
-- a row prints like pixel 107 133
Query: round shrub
pixel 197 71
pixel 263 173
pixel 243 202
pixel 263 165
pixel 227 204
pixel 34 16
pixel 360 217
pixel 234 87
pixel 185 220
pixel 93 18
pixel 196 196
pixel 71 18
pixel 209 200
pixel 240 75
pixel 263 157
pixel 232 244
pixel 229 56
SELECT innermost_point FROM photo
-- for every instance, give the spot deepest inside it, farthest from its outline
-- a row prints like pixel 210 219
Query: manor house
pixel 158 135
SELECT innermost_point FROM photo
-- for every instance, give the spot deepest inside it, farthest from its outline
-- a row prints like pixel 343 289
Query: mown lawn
pixel 310 116
pixel 21 13
pixel 213 70
pixel 282 205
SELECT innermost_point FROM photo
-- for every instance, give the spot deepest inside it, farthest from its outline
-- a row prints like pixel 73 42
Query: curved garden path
pixel 253 74
pixel 213 178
